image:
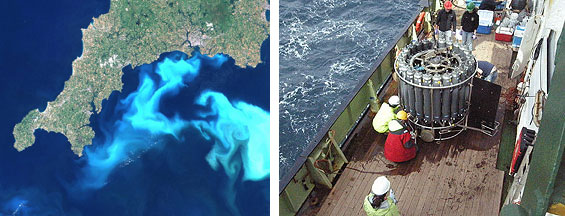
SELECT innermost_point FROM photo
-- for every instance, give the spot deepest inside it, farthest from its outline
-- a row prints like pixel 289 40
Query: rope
pixel 363 171
pixel 346 167
pixel 322 169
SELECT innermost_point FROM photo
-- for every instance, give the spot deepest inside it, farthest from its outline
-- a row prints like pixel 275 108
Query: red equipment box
pixel 503 34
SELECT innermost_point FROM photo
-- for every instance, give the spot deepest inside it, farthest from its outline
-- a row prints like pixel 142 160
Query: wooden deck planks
pixel 336 192
pixel 497 192
pixel 360 188
pixel 424 191
pixel 359 193
pixel 414 187
pixel 493 190
pixel 454 177
pixel 436 205
pixel 354 200
pixel 453 180
pixel 399 184
pixel 350 181
pixel 440 179
pixel 464 195
pixel 478 187
pixel 342 187
pixel 348 176
pixel 452 203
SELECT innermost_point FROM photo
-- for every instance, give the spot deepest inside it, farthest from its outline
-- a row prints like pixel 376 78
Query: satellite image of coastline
pixel 134 107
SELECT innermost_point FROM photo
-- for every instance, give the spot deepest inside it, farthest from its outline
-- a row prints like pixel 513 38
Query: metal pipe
pixel 410 91
pixel 436 98
pixel 454 97
pixel 418 98
pixel 462 91
pixel 402 86
pixel 427 80
pixel 464 79
pixel 446 98
pixel 422 126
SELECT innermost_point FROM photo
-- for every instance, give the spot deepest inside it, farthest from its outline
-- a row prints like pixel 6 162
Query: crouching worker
pixel 385 114
pixel 377 203
pixel 399 146
pixel 487 71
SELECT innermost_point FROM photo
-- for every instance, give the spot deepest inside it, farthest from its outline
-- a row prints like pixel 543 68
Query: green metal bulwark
pixel 373 100
pixel 506 147
pixel 296 192
pixel 308 176
pixel 550 142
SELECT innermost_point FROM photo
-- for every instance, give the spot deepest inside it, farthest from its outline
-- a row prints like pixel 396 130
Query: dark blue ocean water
pixel 38 44
pixel 326 47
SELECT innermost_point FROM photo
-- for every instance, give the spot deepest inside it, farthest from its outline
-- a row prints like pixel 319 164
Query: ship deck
pixel 453 177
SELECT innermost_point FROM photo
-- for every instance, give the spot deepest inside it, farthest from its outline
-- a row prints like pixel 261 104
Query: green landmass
pixel 136 32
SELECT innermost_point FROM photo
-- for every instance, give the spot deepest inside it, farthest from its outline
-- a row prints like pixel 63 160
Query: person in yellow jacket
pixel 377 203
pixel 386 113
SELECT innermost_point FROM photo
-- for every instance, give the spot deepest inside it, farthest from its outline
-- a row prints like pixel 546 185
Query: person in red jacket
pixel 399 146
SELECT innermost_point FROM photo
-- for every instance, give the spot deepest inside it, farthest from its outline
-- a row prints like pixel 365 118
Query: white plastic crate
pixel 485 17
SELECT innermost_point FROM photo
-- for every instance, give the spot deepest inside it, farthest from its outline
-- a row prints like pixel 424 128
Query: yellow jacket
pixel 383 117
pixel 387 208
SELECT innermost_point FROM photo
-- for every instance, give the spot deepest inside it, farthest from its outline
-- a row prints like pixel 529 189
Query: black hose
pixel 538 49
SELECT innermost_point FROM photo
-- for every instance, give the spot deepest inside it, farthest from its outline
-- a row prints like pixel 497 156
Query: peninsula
pixel 136 32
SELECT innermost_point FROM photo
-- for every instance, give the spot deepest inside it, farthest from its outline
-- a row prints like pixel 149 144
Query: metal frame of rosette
pixel 435 85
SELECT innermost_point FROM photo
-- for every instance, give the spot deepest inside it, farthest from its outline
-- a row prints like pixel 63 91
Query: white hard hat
pixel 394 100
pixel 395 126
pixel 380 186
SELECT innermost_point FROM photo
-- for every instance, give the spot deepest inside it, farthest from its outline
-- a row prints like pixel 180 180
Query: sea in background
pixel 326 47
pixel 39 42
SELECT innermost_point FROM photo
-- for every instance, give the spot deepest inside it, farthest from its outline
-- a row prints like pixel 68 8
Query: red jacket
pixel 399 146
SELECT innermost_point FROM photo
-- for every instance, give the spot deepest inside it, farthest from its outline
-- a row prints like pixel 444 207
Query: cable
pixel 323 170
pixel 362 171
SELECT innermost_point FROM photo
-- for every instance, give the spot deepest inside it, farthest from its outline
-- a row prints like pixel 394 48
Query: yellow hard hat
pixel 402 115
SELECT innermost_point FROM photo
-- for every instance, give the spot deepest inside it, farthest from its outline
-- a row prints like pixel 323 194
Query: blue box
pixel 518 34
pixel 516 41
pixel 501 6
pixel 477 2
pixel 484 29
